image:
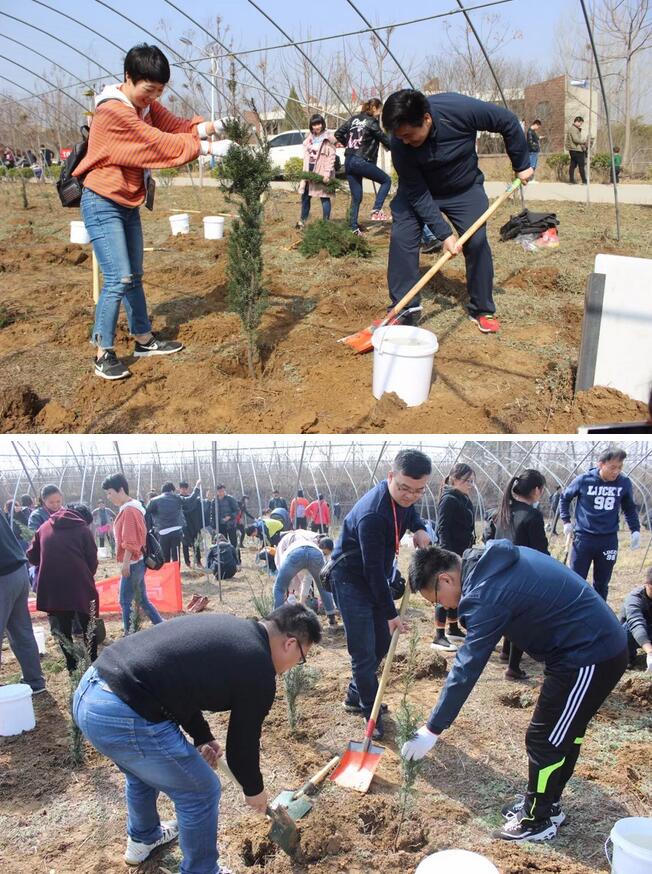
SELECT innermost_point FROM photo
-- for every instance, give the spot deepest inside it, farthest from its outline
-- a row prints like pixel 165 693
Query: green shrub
pixel 335 238
pixel 292 171
pixel 166 175
pixel 559 163
pixel 53 171
pixel 298 681
pixel 332 186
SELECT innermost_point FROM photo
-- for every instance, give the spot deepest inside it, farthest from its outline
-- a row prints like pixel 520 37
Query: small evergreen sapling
pixel 298 681
pixel 408 720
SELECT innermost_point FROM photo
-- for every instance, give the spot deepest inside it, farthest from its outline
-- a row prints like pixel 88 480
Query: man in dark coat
pixel 228 510
pixel 193 522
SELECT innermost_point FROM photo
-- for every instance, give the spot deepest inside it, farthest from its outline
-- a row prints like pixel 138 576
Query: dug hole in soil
pixel 519 381
pixel 60 818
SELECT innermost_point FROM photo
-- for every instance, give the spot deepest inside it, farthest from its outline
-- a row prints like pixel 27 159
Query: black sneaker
pixel 557 815
pixel 332 619
pixel 157 347
pixel 109 366
pixel 440 641
pixel 456 634
pixel 354 706
pixel 432 246
pixel 518 828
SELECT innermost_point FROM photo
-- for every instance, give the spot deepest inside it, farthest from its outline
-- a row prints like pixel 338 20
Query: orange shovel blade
pixel 357 768
pixel 360 342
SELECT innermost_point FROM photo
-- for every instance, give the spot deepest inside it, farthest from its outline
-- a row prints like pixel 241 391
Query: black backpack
pixel 70 187
pixel 227 561
pixel 527 222
pixel 152 553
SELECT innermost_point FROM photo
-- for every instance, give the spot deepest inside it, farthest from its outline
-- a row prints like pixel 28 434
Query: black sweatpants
pixel 577 159
pixel 61 626
pixel 170 544
pixel 301 523
pixel 568 701
pixel 189 542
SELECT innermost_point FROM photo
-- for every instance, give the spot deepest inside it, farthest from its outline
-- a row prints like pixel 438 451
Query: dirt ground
pixel 520 381
pixel 59 818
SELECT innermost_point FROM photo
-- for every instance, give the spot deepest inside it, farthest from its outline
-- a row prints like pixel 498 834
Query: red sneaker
pixel 487 323
pixel 379 216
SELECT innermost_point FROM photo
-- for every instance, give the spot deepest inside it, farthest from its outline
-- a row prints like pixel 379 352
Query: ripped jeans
pixel 117 239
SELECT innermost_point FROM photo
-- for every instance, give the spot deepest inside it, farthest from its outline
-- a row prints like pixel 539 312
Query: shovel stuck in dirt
pixel 360 760
pixel 298 802
pixel 361 341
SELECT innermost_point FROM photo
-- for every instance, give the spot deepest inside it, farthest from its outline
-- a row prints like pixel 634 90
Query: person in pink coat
pixel 318 157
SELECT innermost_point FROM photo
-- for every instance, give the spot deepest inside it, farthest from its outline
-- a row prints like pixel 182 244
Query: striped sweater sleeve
pixel 169 123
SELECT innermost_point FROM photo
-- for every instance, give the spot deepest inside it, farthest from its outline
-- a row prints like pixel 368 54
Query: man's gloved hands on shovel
pixel 422 742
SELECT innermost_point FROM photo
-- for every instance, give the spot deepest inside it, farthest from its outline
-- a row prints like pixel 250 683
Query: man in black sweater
pixel 166 511
pixel 193 522
pixel 434 153
pixel 365 561
pixel 134 701
pixel 636 616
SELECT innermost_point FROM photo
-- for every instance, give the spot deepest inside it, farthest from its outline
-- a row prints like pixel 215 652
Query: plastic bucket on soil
pixel 403 361
pixel 39 636
pixel 632 845
pixel 457 861
pixel 78 233
pixel 213 227
pixel 180 224
pixel 16 711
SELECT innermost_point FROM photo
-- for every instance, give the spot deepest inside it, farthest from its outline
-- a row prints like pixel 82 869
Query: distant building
pixel 557 102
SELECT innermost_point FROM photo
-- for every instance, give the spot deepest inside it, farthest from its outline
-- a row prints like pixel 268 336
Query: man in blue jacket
pixel 433 148
pixel 365 561
pixel 600 494
pixel 548 611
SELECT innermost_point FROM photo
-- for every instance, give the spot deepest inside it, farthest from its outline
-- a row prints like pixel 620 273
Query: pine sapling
pixel 408 720
pixel 135 619
pixel 262 599
pixel 298 681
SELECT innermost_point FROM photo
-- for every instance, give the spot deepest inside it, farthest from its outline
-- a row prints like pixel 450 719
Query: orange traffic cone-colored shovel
pixel 361 341
pixel 360 760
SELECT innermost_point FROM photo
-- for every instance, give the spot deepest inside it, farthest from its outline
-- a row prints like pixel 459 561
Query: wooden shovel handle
pixel 389 658
pixel 317 778
pixel 436 267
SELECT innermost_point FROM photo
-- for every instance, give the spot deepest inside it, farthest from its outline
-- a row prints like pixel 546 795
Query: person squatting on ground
pixel 130 134
pixel 361 136
pixel 318 157
pixel 167 512
pixel 50 501
pixel 434 154
pixel 318 513
pixel 267 530
pixel 636 618
pixel 600 495
pixel 14 613
pixel 193 521
pixel 456 532
pixel 299 551
pixel 65 552
pixel 103 522
pixel 151 685
pixel 364 562
pixel 222 559
pixel 130 540
pixel 298 510
pixel 519 519
pixel 548 611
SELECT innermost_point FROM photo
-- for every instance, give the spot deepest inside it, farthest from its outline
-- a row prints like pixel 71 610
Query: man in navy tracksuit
pixel 547 610
pixel 433 150
pixel 601 494
pixel 364 561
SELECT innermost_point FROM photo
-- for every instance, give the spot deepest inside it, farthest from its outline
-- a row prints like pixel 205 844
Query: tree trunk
pixel 628 110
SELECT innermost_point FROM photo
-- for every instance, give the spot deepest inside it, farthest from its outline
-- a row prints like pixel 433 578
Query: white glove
pixel 218 148
pixel 635 542
pixel 649 663
pixel 568 528
pixel 422 742
pixel 202 128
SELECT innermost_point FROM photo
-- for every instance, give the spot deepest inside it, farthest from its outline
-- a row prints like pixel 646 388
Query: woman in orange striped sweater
pixel 132 133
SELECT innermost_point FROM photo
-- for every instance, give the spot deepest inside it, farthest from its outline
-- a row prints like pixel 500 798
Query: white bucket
pixel 16 711
pixel 457 861
pixel 180 224
pixel 213 227
pixel 78 233
pixel 39 636
pixel 103 552
pixel 632 841
pixel 403 360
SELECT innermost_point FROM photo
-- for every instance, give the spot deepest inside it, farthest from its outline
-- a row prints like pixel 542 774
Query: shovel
pixel 567 547
pixel 361 341
pixel 360 760
pixel 298 803
pixel 283 832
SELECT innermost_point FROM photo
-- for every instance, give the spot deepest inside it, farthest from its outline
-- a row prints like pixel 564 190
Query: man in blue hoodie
pixel 548 611
pixel 364 562
pixel 434 153
pixel 600 494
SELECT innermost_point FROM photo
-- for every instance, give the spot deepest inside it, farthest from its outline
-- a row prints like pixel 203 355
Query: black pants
pixel 186 551
pixel 444 613
pixel 240 535
pixel 170 544
pixel 61 626
pixel 319 527
pixel 513 653
pixel 567 702
pixel 577 159
pixel 231 534
pixel 301 523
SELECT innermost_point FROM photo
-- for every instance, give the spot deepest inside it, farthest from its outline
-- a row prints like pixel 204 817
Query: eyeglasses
pixel 406 490
pixel 298 643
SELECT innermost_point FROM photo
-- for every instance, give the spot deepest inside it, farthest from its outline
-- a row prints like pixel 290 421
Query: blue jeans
pixel 154 757
pixel 534 160
pixel 367 640
pixel 129 586
pixel 303 558
pixel 117 238
pixel 305 205
pixel 356 170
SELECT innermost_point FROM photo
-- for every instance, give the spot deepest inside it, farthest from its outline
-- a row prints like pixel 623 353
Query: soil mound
pixel 19 407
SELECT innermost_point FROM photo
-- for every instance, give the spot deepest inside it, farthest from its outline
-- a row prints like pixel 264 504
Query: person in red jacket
pixel 65 552
pixel 319 514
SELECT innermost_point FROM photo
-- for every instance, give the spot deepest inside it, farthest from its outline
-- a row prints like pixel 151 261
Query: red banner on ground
pixel 163 589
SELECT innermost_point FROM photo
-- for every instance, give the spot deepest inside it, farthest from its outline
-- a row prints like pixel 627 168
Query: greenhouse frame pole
pixel 13 503
pixel 117 452
pixel 382 42
pixel 373 473
pixel 203 514
pixel 29 479
pixel 298 486
pixel 38 76
pixel 217 517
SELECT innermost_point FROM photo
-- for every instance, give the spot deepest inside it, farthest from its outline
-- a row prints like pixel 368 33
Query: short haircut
pixel 26 501
pixel 537 121
pixel 326 543
pixel 316 119
pixel 219 486
pixel 406 106
pixel 151 493
pixel 320 496
pixel 426 565
pixel 116 482
pixel 299 493
pixel 297 620
pixel 83 511
pixel 147 62
pixel 183 484
pixel 412 463
pixel 612 454
pixel 251 529
pixel 167 487
pixel 616 148
pixel 578 118
pixel 48 490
